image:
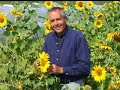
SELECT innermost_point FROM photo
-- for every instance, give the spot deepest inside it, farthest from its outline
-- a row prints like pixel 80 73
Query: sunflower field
pixel 23 32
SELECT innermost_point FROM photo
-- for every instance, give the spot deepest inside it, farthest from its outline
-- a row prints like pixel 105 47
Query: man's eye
pixel 59 19
pixel 52 21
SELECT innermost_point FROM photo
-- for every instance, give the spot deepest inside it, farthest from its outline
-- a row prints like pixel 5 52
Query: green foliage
pixel 20 48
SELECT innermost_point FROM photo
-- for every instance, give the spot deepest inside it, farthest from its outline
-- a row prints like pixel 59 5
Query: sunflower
pixel 100 16
pixel 116 36
pixel 65 3
pixel 81 28
pixel 110 5
pixel 110 36
pixel 99 73
pixel 115 8
pixel 48 4
pixel 47 22
pixel 16 13
pixel 105 47
pixel 48 28
pixel 64 7
pixel 113 69
pixel 41 77
pixel 105 4
pixel 11 29
pixel 95 14
pixel 44 62
pixel 19 85
pixel 116 2
pixel 3 20
pixel 98 23
pixel 80 5
pixel 113 86
pixel 90 4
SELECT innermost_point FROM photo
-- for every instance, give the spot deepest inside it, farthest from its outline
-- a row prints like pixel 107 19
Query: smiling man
pixel 68 50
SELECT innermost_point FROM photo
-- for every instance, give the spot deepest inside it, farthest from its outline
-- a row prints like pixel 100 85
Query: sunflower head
pixel 48 28
pixel 81 28
pixel 100 16
pixel 65 3
pixel 44 62
pixel 113 69
pixel 105 4
pixel 116 37
pixel 90 4
pixel 16 13
pixel 11 29
pixel 98 73
pixel 64 7
pixel 106 48
pixel 98 23
pixel 48 4
pixel 110 36
pixel 36 68
pixel 3 20
pixel 80 5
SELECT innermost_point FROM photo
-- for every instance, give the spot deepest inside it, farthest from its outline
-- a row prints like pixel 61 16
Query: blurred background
pixel 95 2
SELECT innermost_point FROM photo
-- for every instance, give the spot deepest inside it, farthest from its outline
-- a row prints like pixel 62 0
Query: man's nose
pixel 55 22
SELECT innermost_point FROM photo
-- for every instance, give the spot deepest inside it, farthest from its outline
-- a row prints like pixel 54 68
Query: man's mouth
pixel 58 26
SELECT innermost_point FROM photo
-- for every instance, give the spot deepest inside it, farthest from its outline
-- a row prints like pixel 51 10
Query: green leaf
pixel 27 82
pixel 6 33
pixel 99 36
pixel 111 19
pixel 39 84
pixel 3 72
pixel 93 32
pixel 4 87
pixel 50 81
pixel 23 63
pixel 33 26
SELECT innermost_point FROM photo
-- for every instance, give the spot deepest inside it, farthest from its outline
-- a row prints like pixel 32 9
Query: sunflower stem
pixel 102 86
pixel 46 85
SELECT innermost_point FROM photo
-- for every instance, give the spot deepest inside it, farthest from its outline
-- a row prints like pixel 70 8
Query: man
pixel 68 50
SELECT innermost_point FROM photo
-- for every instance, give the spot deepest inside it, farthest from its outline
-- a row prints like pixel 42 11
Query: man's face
pixel 58 22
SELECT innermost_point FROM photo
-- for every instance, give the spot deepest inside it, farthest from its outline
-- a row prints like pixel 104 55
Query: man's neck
pixel 60 34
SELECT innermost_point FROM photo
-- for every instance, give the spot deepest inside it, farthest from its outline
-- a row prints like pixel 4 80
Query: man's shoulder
pixel 76 32
pixel 49 34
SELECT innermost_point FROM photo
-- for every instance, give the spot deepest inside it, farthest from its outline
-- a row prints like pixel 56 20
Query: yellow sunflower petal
pixel 80 5
pixel 98 23
pixel 44 62
pixel 48 4
pixel 90 4
pixel 3 20
pixel 98 73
